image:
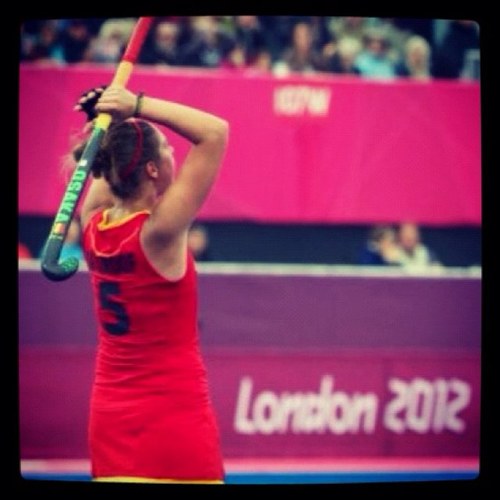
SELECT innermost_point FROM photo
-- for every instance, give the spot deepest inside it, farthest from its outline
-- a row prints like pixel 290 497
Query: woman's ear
pixel 151 169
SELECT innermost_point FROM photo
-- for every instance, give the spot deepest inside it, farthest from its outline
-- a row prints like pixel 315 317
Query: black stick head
pixel 60 271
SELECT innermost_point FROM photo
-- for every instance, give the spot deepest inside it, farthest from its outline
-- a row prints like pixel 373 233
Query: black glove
pixel 89 99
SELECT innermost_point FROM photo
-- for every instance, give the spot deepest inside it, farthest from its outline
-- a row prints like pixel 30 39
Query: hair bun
pixel 101 163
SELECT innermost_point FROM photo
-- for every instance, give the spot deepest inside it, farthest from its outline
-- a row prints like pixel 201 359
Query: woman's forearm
pixel 195 125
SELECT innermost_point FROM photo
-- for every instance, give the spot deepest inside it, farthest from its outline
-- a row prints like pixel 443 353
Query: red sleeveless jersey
pixel 151 414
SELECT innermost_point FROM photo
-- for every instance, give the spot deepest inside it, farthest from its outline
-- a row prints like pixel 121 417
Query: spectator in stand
pixel 111 41
pixel 237 59
pixel 343 59
pixel 415 26
pixel 396 37
pixel 249 35
pixel 75 39
pixel 449 57
pixel 23 252
pixel 322 37
pixel 44 46
pixel 417 59
pixel 276 30
pixel 301 56
pixel 381 248
pixel 414 254
pixel 351 26
pixel 163 49
pixel 250 49
pixel 198 242
pixel 27 40
pixel 209 45
pixel 375 59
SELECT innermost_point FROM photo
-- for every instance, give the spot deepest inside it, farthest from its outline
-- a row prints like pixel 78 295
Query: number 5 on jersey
pixel 108 290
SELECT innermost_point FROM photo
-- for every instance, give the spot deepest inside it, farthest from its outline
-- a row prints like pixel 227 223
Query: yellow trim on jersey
pixel 105 224
pixel 130 479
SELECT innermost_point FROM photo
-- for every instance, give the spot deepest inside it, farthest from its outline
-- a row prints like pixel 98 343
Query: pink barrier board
pixel 279 403
pixel 352 403
pixel 323 149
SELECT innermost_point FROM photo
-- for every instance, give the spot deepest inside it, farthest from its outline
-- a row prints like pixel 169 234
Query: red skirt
pixel 156 438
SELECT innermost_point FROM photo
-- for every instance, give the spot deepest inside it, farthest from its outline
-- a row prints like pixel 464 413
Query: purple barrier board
pixel 247 309
pixel 299 365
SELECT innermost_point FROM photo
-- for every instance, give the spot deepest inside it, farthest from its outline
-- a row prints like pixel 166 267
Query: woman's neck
pixel 124 208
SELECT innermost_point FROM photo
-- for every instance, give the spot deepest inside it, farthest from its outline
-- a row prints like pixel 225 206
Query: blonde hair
pixel 417 56
pixel 418 42
pixel 119 27
pixel 349 46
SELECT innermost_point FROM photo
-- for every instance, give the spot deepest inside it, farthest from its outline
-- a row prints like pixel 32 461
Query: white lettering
pixel 266 412
pixel 338 416
pixel 462 393
pixel 440 411
pixel 241 422
pixel 326 410
pixel 298 100
pixel 364 413
pixel 422 406
pixel 393 409
pixel 290 408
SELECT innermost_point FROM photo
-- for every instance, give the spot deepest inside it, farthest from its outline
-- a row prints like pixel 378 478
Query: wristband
pixel 138 104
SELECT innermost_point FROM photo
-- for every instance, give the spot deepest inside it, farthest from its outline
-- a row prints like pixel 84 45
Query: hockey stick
pixel 51 267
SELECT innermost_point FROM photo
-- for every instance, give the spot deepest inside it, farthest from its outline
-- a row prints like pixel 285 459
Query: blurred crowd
pixel 365 46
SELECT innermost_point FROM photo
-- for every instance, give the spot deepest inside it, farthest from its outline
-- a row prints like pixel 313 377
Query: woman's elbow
pixel 219 133
pixel 223 130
